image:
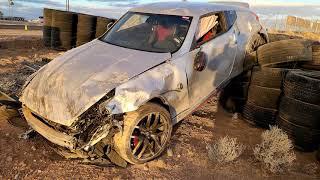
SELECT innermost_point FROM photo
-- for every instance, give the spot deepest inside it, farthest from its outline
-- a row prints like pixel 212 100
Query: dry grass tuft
pixel 225 149
pixel 275 150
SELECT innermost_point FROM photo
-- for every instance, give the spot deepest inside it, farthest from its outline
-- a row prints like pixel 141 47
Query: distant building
pixel 9 18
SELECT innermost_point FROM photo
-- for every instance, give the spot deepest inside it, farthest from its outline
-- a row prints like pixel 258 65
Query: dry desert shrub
pixel 225 149
pixel 275 151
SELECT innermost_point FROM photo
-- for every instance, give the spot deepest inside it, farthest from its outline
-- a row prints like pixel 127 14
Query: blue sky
pixel 115 8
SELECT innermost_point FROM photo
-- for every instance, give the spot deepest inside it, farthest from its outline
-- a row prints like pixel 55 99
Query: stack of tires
pixel 234 95
pixel 102 24
pixel 275 61
pixel 299 111
pixel 47 14
pixel 86 28
pixel 315 64
pixel 263 96
pixel 63 31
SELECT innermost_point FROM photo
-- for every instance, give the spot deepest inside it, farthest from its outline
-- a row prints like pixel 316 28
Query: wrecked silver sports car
pixel 119 95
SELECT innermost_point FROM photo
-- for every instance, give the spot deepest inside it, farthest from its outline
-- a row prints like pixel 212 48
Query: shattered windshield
pixel 149 32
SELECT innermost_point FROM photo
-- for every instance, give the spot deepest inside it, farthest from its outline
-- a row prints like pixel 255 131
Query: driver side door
pixel 218 53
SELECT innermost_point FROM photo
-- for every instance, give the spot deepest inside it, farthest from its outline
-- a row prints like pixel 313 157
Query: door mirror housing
pixel 200 61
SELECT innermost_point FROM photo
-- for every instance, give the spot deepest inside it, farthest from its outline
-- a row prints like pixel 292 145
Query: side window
pixel 210 26
pixel 231 17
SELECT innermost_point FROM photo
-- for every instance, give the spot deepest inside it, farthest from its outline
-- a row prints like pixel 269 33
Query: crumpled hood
pixel 73 82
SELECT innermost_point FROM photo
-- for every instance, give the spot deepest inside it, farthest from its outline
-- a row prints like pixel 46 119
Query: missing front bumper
pixel 49 133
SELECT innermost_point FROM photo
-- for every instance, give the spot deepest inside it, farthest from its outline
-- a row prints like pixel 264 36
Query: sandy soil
pixel 35 159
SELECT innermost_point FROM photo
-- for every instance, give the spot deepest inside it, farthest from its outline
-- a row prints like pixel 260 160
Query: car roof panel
pixel 184 8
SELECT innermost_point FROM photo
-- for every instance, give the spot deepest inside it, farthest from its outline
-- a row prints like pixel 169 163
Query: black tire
pixel 311 66
pixel 251 51
pixel 47 26
pixel 268 77
pixel 285 51
pixel 316 54
pixel 263 117
pixel 305 139
pixel 300 113
pixel 133 121
pixel 101 27
pixel 255 42
pixel 264 97
pixel 86 28
pixel 304 86
pixel 62 30
pixel 250 61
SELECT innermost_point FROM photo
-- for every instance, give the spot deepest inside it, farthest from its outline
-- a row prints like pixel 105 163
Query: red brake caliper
pixel 135 141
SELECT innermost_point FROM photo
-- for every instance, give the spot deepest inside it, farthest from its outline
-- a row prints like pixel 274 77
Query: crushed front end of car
pixel 89 137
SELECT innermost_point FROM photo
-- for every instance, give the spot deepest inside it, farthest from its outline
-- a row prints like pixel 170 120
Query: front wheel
pixel 145 134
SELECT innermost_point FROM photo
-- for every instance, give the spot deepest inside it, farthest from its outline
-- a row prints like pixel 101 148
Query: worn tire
pixel 263 96
pixel 268 77
pixel 300 113
pixel 102 24
pixel 311 66
pixel 86 28
pixel 251 59
pixel 304 86
pixel 285 51
pixel 305 139
pixel 316 54
pixel 263 117
pixel 131 120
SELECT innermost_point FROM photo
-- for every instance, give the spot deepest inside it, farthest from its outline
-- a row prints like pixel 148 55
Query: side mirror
pixel 109 25
pixel 200 61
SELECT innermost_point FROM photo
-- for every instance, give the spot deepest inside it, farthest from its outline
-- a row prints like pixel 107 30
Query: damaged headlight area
pixel 90 136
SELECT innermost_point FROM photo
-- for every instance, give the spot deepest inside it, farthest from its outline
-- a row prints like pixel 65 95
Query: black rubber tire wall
pixel 263 117
pixel 62 29
pixel 250 61
pixel 300 113
pixel 304 86
pixel 47 27
pixel 284 51
pixel 305 139
pixel 263 96
pixel 86 28
pixel 316 54
pixel 102 24
pixel 268 77
pixel 251 51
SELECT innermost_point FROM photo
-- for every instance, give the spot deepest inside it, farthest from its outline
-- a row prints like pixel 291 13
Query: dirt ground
pixel 35 159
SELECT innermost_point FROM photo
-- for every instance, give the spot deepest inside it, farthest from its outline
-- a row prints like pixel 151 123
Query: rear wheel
pixel 145 134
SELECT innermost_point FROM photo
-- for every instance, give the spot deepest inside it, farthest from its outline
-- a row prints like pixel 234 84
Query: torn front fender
pixel 164 81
